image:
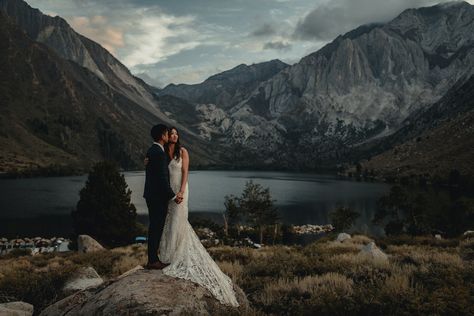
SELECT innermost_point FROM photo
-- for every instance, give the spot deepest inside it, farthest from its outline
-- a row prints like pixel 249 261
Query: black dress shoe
pixel 156 265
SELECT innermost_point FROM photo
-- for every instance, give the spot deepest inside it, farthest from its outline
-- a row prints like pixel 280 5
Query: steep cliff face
pixel 359 87
pixel 432 142
pixel 227 88
pixel 56 112
pixel 56 33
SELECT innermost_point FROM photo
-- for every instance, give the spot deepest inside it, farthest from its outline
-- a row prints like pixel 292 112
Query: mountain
pixel 433 141
pixel 340 104
pixel 56 33
pixel 357 88
pixel 56 112
pixel 227 88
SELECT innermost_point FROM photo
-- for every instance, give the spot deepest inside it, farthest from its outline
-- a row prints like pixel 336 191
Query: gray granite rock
pixel 343 236
pixel 16 309
pixel 145 292
pixel 372 251
pixel 86 243
pixel 85 277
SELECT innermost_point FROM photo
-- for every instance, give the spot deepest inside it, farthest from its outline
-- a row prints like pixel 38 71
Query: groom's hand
pixel 178 199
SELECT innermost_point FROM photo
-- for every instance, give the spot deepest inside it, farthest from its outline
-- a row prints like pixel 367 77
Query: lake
pixel 42 205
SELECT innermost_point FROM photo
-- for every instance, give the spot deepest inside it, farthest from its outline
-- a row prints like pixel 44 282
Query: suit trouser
pixel 157 210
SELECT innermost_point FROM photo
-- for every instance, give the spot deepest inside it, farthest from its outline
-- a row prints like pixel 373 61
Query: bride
pixel 180 246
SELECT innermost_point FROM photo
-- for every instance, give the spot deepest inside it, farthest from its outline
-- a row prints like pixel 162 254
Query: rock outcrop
pixel 145 292
pixel 373 252
pixel 86 243
pixel 83 278
pixel 16 309
pixel 343 236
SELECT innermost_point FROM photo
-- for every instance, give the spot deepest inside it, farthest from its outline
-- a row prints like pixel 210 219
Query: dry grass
pixel 325 278
pixel 425 276
pixel 233 269
pixel 319 285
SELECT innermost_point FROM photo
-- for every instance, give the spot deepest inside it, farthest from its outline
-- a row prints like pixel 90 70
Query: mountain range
pixel 66 101
pixel 339 103
pixel 368 91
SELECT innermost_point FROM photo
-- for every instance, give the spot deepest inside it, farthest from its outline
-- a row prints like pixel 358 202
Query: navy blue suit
pixel 157 194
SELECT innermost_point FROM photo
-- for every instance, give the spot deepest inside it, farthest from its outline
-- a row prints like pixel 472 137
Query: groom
pixel 157 193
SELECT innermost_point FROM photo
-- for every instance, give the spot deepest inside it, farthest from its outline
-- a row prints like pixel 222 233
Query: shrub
pixel 343 218
pixel 39 288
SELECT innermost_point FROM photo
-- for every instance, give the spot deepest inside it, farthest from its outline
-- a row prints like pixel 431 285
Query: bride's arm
pixel 184 169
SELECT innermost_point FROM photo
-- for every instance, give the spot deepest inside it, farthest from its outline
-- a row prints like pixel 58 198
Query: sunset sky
pixel 186 41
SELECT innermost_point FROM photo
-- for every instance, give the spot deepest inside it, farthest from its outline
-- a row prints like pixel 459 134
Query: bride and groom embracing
pixel 173 246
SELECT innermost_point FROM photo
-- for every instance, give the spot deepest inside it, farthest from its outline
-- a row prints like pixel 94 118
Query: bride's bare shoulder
pixel 184 151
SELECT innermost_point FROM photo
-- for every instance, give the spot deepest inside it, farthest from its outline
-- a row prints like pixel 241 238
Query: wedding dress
pixel 182 249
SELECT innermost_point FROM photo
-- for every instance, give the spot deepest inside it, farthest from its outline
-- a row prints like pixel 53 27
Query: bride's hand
pixel 146 160
pixel 180 194
pixel 178 199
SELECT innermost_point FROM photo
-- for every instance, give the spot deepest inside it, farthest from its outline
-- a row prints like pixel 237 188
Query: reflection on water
pixel 301 198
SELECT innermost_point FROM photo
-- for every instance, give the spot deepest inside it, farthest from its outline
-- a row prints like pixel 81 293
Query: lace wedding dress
pixel 181 247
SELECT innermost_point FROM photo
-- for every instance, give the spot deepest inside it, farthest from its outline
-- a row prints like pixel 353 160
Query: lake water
pixel 30 206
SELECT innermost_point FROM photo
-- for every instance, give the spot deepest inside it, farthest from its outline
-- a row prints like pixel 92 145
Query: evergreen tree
pixel 257 204
pixel 104 210
pixel 232 214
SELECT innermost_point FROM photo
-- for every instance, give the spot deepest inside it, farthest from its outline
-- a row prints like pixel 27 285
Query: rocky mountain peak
pixel 56 33
pixel 227 88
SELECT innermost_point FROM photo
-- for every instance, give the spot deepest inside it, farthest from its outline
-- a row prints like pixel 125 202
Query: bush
pixel 343 218
pixel 17 252
pixel 39 288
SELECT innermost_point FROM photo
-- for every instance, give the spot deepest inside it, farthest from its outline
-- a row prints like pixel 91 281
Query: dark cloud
pixel 277 45
pixel 337 17
pixel 188 40
pixel 264 30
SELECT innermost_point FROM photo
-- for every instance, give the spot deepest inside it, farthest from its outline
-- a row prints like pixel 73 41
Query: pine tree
pixel 104 210
pixel 256 203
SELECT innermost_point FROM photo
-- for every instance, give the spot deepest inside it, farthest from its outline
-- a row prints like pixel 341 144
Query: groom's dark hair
pixel 157 131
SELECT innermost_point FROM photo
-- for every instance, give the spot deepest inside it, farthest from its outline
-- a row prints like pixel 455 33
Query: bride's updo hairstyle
pixel 177 146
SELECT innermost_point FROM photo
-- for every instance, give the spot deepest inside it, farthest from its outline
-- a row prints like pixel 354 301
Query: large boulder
pixel 85 277
pixel 86 243
pixel 145 292
pixel 468 234
pixel 343 236
pixel 372 251
pixel 16 309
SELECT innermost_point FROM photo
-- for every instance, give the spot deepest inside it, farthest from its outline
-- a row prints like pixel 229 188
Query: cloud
pixel 188 40
pixel 265 29
pixel 277 45
pixel 153 37
pixel 337 17
pixel 98 29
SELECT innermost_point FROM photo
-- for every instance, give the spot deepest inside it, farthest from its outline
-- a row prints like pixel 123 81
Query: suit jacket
pixel 157 177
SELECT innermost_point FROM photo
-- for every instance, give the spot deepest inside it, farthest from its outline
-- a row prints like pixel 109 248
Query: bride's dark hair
pixel 177 147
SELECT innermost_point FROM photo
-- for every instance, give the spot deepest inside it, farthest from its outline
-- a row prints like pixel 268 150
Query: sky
pixel 187 41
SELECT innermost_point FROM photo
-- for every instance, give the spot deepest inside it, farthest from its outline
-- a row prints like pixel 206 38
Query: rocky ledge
pixel 145 292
